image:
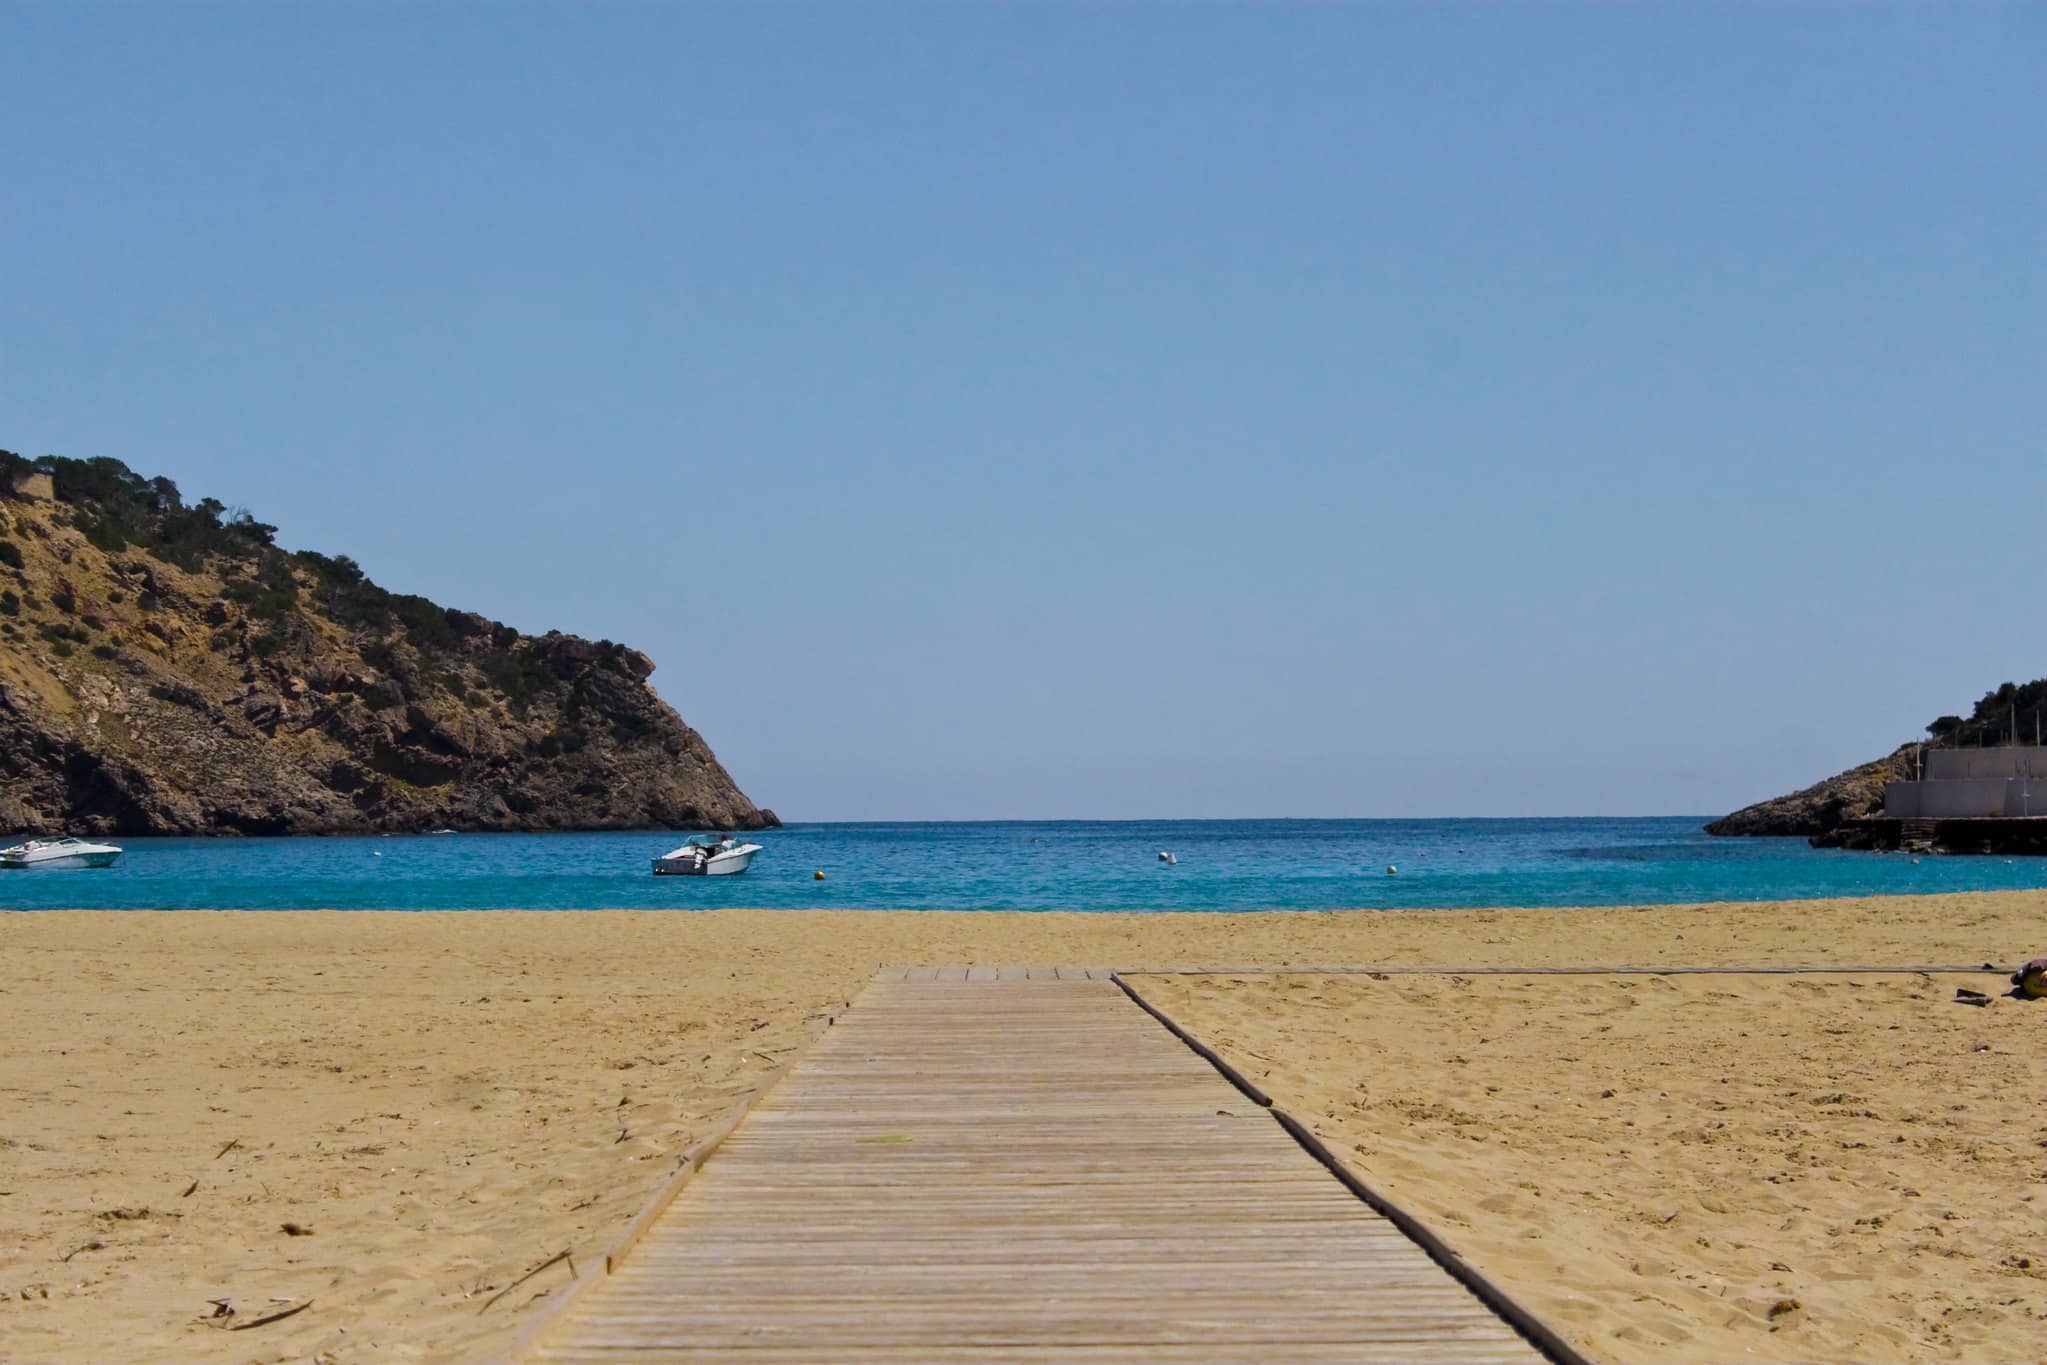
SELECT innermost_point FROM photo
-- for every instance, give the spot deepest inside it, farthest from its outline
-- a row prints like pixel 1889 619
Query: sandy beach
pixel 1686 1168
pixel 438 1102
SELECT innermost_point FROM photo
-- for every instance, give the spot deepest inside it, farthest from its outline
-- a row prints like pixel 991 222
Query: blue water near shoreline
pixel 1048 865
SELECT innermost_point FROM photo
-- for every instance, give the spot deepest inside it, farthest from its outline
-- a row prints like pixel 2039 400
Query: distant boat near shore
pixel 67 852
pixel 707 858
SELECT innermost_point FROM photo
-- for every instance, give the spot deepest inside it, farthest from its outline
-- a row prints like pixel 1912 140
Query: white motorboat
pixel 706 858
pixel 59 853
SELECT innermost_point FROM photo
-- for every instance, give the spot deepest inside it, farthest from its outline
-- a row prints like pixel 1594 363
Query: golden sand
pixel 1687 1169
pixel 441 1101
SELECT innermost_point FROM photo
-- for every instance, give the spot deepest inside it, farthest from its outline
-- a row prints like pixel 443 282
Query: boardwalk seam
pixel 1206 1053
pixel 1532 1328
pixel 1556 971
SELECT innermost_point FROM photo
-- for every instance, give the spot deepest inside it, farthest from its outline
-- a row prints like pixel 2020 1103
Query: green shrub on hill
pixel 518 676
pixel 425 622
pixel 628 731
pixel 274 590
pixel 58 634
pixel 2012 713
pixel 114 507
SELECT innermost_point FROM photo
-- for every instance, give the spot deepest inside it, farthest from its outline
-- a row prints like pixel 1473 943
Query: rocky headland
pixel 1825 806
pixel 166 668
pixel 1828 813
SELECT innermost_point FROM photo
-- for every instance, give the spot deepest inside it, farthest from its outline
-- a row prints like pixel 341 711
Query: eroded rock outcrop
pixel 166 669
pixel 1824 806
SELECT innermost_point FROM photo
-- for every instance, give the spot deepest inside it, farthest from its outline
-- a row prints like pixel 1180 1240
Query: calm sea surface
pixel 1053 865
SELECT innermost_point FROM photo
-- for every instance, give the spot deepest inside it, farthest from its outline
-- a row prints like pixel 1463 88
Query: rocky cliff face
pixel 1820 808
pixel 167 669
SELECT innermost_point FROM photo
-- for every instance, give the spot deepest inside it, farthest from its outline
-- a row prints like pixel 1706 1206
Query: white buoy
pixel 1391 869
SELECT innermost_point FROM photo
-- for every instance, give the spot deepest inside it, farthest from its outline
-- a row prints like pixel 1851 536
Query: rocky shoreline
pixel 1846 811
pixel 1981 835
pixel 1821 809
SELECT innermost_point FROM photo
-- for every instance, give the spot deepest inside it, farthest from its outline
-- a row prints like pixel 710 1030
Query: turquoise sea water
pixel 1050 865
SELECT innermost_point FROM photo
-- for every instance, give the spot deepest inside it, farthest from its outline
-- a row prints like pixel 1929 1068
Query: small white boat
pixel 706 858
pixel 59 853
pixel 1169 859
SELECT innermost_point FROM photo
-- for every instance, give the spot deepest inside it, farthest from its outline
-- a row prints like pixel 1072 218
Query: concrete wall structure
pixel 35 484
pixel 1966 797
pixel 1965 783
pixel 2012 761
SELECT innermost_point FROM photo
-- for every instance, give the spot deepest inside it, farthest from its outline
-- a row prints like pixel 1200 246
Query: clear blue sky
pixel 1137 410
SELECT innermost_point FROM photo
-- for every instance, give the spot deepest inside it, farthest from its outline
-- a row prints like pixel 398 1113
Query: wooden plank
pixel 997 1164
pixel 1148 1353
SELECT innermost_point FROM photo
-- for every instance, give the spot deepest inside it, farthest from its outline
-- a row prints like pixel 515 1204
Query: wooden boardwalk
pixel 1020 1166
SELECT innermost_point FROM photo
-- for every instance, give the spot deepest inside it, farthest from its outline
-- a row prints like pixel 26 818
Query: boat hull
pixel 724 865
pixel 63 860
